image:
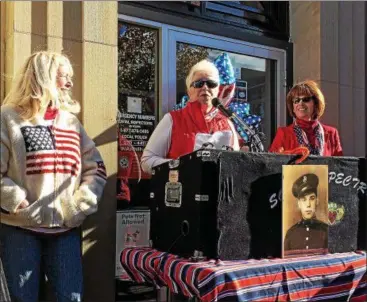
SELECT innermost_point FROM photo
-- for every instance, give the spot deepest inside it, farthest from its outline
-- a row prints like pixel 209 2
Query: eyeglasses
pixel 200 83
pixel 304 100
pixel 66 76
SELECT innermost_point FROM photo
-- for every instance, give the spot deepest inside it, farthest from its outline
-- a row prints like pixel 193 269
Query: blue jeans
pixel 22 253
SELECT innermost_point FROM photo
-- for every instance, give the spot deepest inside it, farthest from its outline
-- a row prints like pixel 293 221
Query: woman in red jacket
pixel 305 102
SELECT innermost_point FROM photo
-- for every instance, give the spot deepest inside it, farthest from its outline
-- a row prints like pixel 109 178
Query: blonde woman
pixel 52 177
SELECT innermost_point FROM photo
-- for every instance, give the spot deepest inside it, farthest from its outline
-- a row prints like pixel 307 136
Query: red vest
pixel 189 121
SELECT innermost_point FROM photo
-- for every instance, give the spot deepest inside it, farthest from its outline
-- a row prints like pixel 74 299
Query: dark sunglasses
pixel 304 100
pixel 200 83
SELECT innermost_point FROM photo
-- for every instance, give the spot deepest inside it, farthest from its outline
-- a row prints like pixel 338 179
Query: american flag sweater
pixel 57 168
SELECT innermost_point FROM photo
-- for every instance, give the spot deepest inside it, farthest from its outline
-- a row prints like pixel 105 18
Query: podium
pixel 228 205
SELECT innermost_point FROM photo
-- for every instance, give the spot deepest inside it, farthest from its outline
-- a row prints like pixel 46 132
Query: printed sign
pixel 137 128
pixel 134 105
pixel 132 230
pixel 241 90
pixel 134 130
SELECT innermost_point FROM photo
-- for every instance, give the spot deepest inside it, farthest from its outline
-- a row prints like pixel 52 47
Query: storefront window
pixel 137 105
pixel 254 83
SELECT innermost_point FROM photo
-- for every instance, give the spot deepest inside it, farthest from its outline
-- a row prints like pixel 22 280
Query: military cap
pixel 305 184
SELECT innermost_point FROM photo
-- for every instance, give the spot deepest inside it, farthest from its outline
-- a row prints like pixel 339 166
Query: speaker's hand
pixel 22 205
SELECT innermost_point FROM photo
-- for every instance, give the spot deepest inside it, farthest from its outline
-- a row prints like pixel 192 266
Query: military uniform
pixel 308 234
pixel 305 184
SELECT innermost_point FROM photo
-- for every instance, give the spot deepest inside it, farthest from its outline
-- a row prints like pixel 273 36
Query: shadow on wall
pixel 107 136
pixel 99 233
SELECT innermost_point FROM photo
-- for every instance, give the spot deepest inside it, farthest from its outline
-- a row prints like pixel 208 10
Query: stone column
pixel 87 33
pixel 16 34
pixel 54 23
pixel 329 46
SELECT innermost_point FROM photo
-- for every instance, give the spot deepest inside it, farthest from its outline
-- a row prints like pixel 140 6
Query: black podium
pixel 227 205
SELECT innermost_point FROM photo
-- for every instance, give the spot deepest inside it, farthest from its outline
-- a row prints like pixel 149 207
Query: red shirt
pixel 51 113
pixel 285 138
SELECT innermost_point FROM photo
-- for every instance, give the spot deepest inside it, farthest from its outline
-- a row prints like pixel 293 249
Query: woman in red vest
pixel 305 102
pixel 183 131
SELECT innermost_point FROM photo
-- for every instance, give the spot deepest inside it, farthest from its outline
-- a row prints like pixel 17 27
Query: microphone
pixel 254 138
pixel 218 104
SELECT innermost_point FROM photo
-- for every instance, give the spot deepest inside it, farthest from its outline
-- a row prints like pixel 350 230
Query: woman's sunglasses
pixel 304 100
pixel 200 83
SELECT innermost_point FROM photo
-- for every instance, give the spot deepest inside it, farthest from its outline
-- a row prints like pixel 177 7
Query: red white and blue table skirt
pixel 340 276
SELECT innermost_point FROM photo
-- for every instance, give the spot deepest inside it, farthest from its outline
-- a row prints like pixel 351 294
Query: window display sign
pixel 134 104
pixel 132 230
pixel 136 122
pixel 136 128
pixel 241 91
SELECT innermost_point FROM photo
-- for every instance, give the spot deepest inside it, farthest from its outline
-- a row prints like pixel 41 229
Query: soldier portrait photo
pixel 305 210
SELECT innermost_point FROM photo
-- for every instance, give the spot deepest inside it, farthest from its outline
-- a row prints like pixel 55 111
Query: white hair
pixel 204 66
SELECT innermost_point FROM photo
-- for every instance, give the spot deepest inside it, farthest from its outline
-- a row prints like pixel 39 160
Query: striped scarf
pixel 302 139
